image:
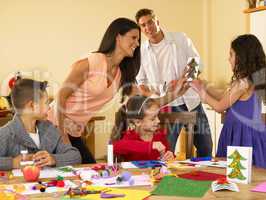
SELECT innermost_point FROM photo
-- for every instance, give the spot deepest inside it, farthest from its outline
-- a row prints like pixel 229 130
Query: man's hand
pixel 178 86
pixel 43 158
pixel 145 90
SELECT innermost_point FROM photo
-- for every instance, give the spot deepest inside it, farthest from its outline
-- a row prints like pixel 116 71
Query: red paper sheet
pixel 201 176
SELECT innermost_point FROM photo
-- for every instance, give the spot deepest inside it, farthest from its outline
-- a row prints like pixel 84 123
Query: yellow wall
pixel 43 38
pixel 49 35
pixel 226 21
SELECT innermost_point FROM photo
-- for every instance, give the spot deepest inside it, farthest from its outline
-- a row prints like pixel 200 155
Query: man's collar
pixel 168 38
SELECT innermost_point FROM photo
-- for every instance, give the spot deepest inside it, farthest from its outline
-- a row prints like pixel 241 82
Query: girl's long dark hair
pixel 250 62
pixel 129 67
pixel 134 109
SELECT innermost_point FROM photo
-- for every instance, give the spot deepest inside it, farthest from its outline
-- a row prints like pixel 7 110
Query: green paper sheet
pixel 173 186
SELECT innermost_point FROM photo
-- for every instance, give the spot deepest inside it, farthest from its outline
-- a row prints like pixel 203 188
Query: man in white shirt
pixel 164 57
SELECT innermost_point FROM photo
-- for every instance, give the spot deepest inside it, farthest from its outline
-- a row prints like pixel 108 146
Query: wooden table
pixel 258 176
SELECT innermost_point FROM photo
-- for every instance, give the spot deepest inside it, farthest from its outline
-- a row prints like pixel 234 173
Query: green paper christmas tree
pixel 236 166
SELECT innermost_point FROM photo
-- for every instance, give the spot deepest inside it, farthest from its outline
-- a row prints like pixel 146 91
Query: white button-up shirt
pixel 150 74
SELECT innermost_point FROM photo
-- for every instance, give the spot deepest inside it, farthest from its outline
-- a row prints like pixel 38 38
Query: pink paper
pixel 260 188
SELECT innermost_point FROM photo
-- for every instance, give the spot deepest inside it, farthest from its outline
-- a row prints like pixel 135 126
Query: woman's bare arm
pixel 73 81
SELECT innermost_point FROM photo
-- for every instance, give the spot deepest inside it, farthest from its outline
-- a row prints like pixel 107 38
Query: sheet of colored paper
pixel 138 180
pixel 201 176
pixel 172 186
pixel 129 195
pixel 260 187
pixel 148 163
pixel 220 163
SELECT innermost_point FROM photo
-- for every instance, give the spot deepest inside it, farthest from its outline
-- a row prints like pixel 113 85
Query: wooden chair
pixel 89 134
pixel 187 118
pixel 5 116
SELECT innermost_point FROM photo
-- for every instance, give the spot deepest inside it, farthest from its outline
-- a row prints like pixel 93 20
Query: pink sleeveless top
pixel 89 98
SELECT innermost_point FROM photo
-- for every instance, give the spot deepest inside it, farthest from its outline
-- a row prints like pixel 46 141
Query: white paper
pixel 139 180
pixel 46 173
pixel 246 153
pixel 29 186
pixel 230 186
pixel 220 163
pixel 128 165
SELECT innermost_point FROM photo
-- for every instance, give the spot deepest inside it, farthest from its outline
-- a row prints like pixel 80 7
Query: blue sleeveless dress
pixel 243 126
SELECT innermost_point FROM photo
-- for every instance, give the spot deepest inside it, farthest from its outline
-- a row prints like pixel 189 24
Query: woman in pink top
pixel 94 81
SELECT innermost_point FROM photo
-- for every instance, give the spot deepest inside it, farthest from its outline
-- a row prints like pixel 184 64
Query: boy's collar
pixel 20 133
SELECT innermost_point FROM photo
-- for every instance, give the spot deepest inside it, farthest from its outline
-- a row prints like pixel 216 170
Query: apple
pixel 31 173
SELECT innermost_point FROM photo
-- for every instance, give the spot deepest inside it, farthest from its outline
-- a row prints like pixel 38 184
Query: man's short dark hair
pixel 144 12
pixel 26 90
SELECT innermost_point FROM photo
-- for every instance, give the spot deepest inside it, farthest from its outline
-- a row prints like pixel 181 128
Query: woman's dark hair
pixel 250 62
pixel 129 67
pixel 26 90
pixel 134 109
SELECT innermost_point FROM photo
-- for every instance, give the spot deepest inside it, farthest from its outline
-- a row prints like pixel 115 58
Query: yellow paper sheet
pixel 130 194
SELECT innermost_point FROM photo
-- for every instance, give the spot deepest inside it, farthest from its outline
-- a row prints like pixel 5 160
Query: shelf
pixel 251 10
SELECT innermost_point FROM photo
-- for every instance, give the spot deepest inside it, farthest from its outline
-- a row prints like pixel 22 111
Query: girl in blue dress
pixel 243 125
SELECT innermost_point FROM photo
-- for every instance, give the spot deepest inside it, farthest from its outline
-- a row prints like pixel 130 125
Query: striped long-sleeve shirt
pixel 14 138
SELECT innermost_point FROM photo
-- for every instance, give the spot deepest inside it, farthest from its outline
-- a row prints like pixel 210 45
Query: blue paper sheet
pixel 148 163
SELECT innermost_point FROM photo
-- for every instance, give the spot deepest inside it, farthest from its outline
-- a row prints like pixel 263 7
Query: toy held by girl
pixel 136 135
pixel 243 125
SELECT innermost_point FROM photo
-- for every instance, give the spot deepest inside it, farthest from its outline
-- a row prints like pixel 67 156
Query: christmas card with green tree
pixel 239 164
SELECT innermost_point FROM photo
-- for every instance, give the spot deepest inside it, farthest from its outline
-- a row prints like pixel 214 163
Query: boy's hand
pixel 158 146
pixel 43 158
pixel 16 161
pixel 168 156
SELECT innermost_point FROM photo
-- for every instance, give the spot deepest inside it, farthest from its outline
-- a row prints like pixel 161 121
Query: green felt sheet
pixel 173 186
